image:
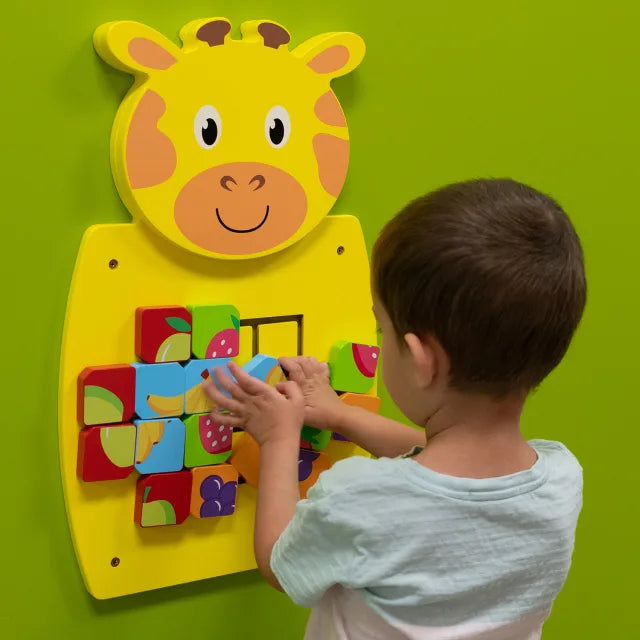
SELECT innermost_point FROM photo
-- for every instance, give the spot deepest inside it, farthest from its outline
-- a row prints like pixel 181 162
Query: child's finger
pixel 227 419
pixel 293 368
pixel 309 366
pixel 221 400
pixel 291 390
pixel 248 383
pixel 228 384
pixel 213 392
pixel 231 404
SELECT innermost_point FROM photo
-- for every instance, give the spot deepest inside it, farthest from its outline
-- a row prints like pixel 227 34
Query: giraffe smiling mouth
pixel 228 228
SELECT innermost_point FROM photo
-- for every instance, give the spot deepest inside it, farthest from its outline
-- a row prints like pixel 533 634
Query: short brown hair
pixel 493 269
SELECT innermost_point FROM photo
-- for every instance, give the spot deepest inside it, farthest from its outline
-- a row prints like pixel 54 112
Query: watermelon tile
pixel 352 366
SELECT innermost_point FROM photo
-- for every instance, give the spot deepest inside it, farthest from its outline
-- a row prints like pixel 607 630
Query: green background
pixel 545 92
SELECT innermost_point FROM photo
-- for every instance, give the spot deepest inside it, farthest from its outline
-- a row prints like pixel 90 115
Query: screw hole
pixel 113 263
pixel 115 562
pixel 340 250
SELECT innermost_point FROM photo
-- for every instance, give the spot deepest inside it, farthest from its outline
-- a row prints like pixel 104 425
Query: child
pixel 478 289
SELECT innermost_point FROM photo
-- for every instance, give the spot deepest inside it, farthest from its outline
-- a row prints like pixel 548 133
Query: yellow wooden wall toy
pixel 229 154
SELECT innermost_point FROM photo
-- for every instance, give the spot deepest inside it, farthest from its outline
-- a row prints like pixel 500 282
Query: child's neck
pixel 476 437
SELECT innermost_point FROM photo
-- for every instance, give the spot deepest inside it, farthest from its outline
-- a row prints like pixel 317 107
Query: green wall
pixel 545 91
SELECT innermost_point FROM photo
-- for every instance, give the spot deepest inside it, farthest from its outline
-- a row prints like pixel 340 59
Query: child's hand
pixel 322 407
pixel 269 414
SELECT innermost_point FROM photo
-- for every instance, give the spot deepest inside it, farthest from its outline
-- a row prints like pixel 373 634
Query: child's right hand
pixel 322 406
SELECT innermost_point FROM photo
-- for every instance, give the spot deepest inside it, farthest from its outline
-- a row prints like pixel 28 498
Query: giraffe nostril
pixel 224 182
pixel 259 179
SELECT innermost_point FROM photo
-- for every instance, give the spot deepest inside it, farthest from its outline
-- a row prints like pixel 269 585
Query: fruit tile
pixel 159 390
pixel 246 459
pixel 106 452
pixel 353 366
pixel 265 368
pixel 207 441
pixel 163 334
pixel 215 331
pixel 159 445
pixel 162 499
pixel 196 372
pixel 310 465
pixel 317 439
pixel 213 491
pixel 106 394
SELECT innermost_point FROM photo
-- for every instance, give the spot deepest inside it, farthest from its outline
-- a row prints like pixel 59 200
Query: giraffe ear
pixel 332 54
pixel 134 47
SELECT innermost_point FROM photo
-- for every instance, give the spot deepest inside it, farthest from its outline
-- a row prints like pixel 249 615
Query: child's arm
pixel 278 494
pixel 380 436
pixel 274 418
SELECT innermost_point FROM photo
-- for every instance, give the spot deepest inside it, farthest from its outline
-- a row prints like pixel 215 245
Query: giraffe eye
pixel 207 127
pixel 277 127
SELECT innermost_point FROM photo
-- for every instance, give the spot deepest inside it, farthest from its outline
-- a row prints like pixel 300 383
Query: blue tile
pixel 159 445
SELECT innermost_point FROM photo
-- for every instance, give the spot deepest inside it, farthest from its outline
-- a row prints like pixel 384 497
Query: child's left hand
pixel 269 414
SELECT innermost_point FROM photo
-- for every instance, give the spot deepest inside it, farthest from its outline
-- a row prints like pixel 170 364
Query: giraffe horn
pixel 273 34
pixel 214 33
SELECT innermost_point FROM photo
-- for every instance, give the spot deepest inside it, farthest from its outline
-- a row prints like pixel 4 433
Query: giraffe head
pixel 229 148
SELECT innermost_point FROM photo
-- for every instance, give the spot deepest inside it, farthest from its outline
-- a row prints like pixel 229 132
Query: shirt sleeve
pixel 319 548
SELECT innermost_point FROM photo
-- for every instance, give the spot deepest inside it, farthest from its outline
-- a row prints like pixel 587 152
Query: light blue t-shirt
pixel 427 555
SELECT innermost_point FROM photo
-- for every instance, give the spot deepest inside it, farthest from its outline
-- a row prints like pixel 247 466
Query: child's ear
pixel 332 54
pixel 425 359
pixel 134 47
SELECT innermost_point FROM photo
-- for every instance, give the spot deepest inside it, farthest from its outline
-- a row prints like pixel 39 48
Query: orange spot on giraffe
pixel 332 155
pixel 149 54
pixel 151 156
pixel 330 60
pixel 328 110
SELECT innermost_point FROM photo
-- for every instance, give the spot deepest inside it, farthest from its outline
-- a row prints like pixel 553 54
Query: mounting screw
pixel 340 250
pixel 115 562
pixel 113 263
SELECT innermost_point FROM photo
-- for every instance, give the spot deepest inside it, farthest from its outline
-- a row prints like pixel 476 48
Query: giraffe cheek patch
pixel 151 156
pixel 332 155
pixel 328 110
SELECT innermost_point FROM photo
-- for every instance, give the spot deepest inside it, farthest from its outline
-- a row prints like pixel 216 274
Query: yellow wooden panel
pixel 280 339
pixel 99 329
pixel 246 342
